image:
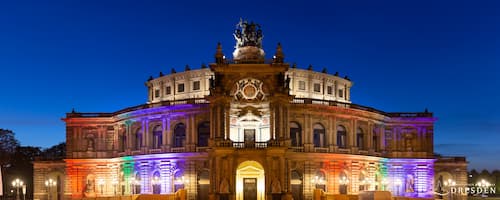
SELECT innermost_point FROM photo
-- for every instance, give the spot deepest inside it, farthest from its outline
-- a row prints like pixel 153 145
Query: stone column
pixel 381 142
pixel 272 119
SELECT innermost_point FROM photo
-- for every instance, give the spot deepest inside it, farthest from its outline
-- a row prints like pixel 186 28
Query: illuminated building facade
pixel 245 128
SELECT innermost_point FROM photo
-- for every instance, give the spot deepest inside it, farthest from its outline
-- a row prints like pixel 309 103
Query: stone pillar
pixel 272 121
pixel 381 142
pixel 144 132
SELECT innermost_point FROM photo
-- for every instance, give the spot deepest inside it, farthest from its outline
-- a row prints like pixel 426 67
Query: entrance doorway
pixel 249 188
pixel 250 181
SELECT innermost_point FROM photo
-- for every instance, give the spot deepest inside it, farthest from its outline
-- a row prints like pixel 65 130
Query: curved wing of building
pixel 247 128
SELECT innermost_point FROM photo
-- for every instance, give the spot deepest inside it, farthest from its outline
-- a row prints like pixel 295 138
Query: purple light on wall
pixel 412 177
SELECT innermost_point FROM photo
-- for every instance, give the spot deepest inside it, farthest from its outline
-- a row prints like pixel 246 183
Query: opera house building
pixel 247 127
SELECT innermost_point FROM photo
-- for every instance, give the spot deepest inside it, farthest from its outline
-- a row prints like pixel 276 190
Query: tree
pixel 8 145
pixel 56 152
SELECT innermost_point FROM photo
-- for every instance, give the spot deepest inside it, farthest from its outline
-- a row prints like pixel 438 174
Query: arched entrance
pixel 250 181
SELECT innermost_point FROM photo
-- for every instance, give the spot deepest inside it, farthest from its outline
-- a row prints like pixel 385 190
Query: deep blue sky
pixel 402 56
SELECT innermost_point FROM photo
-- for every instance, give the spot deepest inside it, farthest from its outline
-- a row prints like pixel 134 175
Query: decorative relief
pixel 248 90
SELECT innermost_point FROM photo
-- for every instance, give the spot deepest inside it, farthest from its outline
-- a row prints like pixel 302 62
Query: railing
pixel 135 152
pixel 341 150
pixel 363 152
pixel 202 149
pixel 359 107
pixel 250 145
pixel 321 149
pixel 139 107
pixel 178 149
pixel 155 151
pixel 249 61
pixel 297 149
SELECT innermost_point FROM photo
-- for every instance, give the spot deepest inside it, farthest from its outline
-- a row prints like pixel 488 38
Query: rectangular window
pixel 317 87
pixel 180 87
pixel 302 85
pixel 341 93
pixel 196 85
pixel 329 89
pixel 168 90
pixel 157 93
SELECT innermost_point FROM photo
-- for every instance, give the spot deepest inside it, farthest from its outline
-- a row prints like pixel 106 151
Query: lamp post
pixel 155 182
pixel 398 184
pixel 24 192
pixel 48 184
pixel 17 184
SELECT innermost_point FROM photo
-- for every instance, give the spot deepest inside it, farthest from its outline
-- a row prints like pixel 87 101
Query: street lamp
pixel 24 192
pixel 398 183
pixel 17 184
pixel 48 184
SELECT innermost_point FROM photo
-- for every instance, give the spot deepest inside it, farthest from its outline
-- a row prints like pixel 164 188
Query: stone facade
pixel 245 128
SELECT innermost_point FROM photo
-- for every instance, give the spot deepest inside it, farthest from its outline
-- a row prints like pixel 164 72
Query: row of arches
pixel 320 136
pixel 157 140
pixel 178 135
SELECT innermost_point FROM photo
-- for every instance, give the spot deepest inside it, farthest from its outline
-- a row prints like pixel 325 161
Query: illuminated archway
pixel 250 170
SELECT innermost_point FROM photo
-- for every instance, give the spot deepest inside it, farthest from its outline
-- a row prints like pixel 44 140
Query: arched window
pixel 122 143
pixel 362 182
pixel 319 135
pixel 343 183
pixel 90 142
pixel 341 137
pixel 297 186
pixel 157 137
pixel 319 180
pixel 136 183
pixel 295 134
pixel 179 180
pixel 203 184
pixel 203 134
pixel 138 139
pixel 156 183
pixel 179 135
pixel 360 139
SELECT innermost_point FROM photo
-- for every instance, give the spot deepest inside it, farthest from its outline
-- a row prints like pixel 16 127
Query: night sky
pixel 403 56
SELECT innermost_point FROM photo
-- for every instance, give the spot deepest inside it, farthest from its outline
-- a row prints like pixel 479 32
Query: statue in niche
pixel 275 186
pixel 439 186
pixel 409 184
pixel 408 140
pixel 89 187
pixel 90 144
pixel 224 186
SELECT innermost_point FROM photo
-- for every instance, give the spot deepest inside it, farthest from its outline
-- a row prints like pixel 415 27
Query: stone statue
pixel 409 184
pixel 248 34
pixel 275 186
pixel 287 82
pixel 224 186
